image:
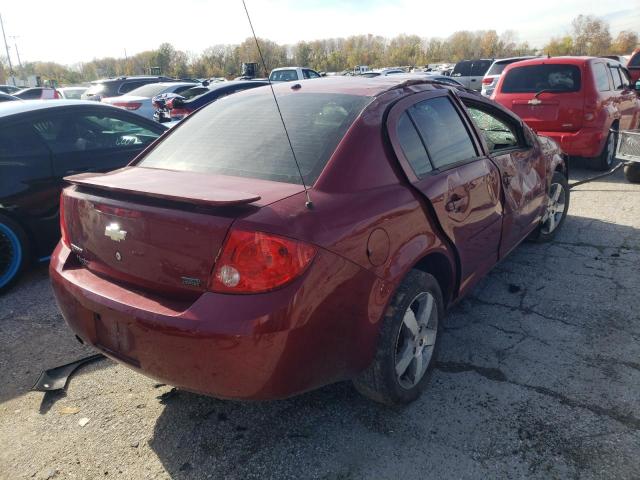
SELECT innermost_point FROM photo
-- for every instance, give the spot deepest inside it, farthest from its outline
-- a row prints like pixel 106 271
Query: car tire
pixel 632 172
pixel 556 209
pixel 14 252
pixel 607 158
pixel 407 344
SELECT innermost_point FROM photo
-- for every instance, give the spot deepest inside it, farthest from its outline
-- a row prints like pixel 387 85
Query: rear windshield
pixel 498 67
pixel 242 135
pixel 149 90
pixel 95 89
pixel 535 78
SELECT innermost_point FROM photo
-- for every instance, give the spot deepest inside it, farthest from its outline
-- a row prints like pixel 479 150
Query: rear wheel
pixel 408 342
pixel 556 211
pixel 606 159
pixel 632 172
pixel 14 252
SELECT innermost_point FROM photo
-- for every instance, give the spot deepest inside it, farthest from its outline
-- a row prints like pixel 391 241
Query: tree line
pixel 588 36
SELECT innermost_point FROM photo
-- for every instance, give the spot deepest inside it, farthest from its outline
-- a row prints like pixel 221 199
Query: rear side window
pixel 617 78
pixel 479 68
pixel 601 78
pixel 443 132
pixel 242 135
pixel 128 86
pixel 462 69
pixel 412 146
pixel 557 78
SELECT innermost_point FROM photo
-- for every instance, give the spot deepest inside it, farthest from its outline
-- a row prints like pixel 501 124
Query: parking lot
pixel 537 377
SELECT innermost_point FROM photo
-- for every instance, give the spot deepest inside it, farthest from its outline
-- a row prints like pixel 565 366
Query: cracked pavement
pixel 538 377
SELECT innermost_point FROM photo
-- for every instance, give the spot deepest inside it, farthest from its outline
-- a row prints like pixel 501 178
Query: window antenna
pixel 308 203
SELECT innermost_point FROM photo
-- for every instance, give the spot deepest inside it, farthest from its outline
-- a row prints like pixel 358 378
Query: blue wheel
pixel 13 254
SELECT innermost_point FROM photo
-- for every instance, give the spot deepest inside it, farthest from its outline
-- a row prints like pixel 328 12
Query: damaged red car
pixel 202 264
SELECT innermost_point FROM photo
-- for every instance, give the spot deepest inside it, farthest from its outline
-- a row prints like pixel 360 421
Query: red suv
pixel 577 101
pixel 634 65
pixel 205 265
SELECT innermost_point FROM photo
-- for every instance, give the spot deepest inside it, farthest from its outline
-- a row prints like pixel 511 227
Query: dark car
pixel 41 142
pixel 5 97
pixel 10 89
pixel 204 264
pixel 179 108
pixel 114 87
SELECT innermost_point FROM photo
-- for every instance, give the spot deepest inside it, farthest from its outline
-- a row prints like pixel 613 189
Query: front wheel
pixel 408 342
pixel 13 252
pixel 556 211
pixel 632 172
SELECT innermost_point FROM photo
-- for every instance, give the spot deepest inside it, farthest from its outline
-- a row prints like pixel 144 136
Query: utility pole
pixel 7 49
pixel 15 44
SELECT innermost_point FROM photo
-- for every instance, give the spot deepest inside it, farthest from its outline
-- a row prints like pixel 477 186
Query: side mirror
pixel 636 87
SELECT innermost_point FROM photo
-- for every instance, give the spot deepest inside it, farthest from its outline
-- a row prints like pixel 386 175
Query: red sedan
pixel 202 265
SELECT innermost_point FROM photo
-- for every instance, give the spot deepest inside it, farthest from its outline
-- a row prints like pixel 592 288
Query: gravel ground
pixel 538 377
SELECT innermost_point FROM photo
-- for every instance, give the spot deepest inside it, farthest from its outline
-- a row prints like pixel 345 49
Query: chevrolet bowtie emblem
pixel 534 101
pixel 114 233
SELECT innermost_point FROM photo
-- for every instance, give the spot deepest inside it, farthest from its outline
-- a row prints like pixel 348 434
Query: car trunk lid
pixel 159 230
pixel 555 112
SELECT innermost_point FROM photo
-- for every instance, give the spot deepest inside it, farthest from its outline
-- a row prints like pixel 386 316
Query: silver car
pixel 470 72
pixel 139 100
pixel 490 80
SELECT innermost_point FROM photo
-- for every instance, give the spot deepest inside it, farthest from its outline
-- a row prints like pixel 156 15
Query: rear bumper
pixel 586 142
pixel 317 330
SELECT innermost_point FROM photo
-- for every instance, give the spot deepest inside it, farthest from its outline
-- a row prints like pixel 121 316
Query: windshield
pixel 149 90
pixel 242 135
pixel 73 93
pixel 534 78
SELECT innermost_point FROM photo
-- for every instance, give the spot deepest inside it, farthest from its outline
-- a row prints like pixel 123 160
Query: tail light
pixel 254 262
pixel 63 224
pixel 128 105
pixel 179 112
pixel 487 81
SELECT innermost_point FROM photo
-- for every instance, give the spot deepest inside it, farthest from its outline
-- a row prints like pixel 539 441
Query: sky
pixel 70 31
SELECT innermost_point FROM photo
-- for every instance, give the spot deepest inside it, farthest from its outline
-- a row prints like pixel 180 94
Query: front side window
pixel 284 76
pixel 242 135
pixel 558 78
pixel 498 133
pixel 617 78
pixel 66 133
pixel 443 132
pixel 601 78
pixel 412 146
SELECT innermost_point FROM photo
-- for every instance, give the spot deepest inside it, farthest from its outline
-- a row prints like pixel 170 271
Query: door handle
pixel 455 204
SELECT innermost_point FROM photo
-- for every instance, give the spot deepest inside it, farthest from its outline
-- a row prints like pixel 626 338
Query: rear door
pixel 433 141
pixel 477 72
pixel 548 97
pixel 462 71
pixel 93 139
pixel 522 169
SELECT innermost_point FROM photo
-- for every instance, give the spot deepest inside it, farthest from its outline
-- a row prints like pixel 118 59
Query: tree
pixel 590 36
pixel 559 46
pixel 625 42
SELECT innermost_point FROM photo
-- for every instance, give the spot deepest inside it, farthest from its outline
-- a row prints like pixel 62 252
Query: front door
pixel 432 139
pixel 522 170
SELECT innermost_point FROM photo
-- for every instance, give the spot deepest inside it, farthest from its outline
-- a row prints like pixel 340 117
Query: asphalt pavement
pixel 538 377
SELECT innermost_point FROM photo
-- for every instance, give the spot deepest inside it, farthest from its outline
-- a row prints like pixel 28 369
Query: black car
pixel 177 108
pixel 40 143
pixel 114 87
pixel 5 97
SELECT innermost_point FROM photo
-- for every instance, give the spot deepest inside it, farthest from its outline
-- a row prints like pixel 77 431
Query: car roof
pixel 13 108
pixel 511 59
pixel 553 61
pixel 288 68
pixel 355 85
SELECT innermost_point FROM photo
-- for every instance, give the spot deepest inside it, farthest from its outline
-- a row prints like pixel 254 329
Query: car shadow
pixel 517 353
pixel 34 337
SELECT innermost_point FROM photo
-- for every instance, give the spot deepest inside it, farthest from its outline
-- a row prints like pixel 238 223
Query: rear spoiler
pixel 172 185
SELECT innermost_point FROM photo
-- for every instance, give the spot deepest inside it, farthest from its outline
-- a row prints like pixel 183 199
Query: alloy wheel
pixel 611 148
pixel 416 340
pixel 555 208
pixel 8 254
